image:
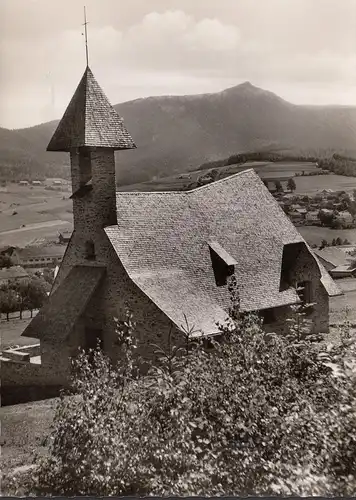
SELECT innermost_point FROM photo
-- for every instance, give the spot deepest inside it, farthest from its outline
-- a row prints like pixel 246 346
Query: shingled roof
pixel 333 255
pixel 90 121
pixel 163 241
pixel 66 304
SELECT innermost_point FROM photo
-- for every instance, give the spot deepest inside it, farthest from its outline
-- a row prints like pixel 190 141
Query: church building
pixel 167 257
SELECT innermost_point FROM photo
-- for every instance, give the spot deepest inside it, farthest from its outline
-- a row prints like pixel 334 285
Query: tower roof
pixel 90 121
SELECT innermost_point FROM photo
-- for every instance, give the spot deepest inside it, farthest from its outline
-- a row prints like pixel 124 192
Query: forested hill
pixel 178 133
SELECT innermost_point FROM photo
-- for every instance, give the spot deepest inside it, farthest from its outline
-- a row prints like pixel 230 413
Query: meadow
pixel 312 184
pixel 315 234
pixel 44 212
pixel 32 213
pixel 271 170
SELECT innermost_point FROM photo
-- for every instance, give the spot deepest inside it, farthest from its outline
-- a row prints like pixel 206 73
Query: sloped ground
pixel 24 428
pixel 10 333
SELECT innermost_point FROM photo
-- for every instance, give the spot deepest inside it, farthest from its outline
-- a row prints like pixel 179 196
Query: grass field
pixel 305 185
pixel 24 428
pixel 41 211
pixel 10 333
pixel 315 234
pixel 45 212
pixel 311 184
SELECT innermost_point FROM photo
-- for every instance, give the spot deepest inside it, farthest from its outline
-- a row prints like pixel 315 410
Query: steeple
pixel 90 121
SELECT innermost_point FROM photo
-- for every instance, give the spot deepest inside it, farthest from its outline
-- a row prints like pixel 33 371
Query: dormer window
pixel 89 250
pixel 222 262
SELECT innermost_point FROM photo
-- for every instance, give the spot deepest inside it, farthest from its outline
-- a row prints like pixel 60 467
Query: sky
pixel 303 50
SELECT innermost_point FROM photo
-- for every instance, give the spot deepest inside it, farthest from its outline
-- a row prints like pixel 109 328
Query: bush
pixel 257 414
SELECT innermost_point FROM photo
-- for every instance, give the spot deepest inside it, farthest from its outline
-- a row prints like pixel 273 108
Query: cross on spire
pixel 86 37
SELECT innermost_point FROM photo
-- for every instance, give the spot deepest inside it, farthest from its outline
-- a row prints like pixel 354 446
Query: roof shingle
pixel 163 240
pixel 65 304
pixel 90 121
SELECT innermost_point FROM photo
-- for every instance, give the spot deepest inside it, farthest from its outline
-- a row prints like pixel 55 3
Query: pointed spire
pixel 90 121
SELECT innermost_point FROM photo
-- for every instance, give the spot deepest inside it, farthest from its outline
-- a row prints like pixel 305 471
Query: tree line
pixel 25 295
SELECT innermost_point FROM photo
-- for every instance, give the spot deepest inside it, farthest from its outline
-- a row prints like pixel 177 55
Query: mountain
pixel 177 133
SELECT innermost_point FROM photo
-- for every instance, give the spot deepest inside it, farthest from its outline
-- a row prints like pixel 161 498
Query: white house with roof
pixel 338 262
pixel 33 257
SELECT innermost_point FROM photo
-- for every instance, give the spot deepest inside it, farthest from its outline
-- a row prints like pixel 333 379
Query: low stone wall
pixel 24 381
pixel 32 350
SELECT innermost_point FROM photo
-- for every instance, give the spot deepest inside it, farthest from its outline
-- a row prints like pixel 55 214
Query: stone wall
pixel 280 324
pixel 114 298
pixel 25 381
pixel 307 269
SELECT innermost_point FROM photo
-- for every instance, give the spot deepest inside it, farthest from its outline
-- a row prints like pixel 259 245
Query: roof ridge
pixel 225 179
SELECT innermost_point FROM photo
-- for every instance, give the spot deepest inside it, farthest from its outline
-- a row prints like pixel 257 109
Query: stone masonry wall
pixel 306 269
pixel 117 295
pixel 25 381
pixel 280 324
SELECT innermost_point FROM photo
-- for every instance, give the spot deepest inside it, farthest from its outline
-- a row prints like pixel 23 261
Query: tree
pixel 326 218
pixel 291 185
pixel 48 275
pixel 279 187
pixel 31 293
pixel 8 301
pixel 5 261
pixel 324 244
pixel 37 293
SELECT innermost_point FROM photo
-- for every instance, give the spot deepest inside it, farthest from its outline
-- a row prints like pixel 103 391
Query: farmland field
pixel 305 184
pixel 311 184
pixel 314 234
pixel 29 213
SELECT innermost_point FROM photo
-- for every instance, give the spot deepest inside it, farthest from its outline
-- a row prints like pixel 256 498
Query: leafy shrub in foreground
pixel 258 414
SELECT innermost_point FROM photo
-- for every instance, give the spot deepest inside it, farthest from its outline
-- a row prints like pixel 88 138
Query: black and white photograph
pixel 178 248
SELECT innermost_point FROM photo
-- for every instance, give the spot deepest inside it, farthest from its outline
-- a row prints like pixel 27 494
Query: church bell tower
pixel 91 131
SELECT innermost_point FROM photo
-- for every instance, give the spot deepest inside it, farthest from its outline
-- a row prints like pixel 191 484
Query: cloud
pixel 287 46
pixel 168 39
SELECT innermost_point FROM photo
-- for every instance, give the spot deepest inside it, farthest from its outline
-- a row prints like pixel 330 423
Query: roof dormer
pixel 222 262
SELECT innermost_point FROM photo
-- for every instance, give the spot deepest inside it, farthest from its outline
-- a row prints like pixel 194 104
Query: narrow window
pixel 304 291
pixel 89 250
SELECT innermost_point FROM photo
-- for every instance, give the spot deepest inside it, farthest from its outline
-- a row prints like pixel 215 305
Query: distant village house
pixel 337 261
pixel 12 274
pixel 64 237
pixel 37 257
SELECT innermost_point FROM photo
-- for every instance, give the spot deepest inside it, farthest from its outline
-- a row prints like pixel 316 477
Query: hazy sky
pixel 304 50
